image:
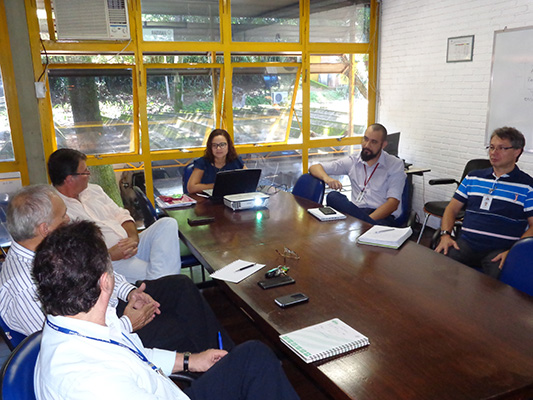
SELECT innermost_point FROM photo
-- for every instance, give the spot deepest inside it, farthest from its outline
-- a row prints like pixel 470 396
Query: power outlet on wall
pixel 40 90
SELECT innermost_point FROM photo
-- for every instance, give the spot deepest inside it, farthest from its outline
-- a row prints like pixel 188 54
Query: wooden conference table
pixel 437 329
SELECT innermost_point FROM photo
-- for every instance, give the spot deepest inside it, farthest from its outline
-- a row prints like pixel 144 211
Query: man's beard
pixel 367 155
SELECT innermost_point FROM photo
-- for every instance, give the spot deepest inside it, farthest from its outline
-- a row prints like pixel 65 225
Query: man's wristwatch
pixel 186 361
pixel 442 233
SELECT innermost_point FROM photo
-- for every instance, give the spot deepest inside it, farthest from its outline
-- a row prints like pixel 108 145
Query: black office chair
pixel 16 376
pixel 309 187
pixel 188 260
pixel 436 208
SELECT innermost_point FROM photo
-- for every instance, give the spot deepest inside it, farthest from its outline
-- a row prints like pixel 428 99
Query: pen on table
pixel 385 230
pixel 220 341
pixel 245 267
pixel 202 195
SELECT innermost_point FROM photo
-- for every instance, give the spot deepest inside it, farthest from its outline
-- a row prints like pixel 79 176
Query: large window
pixel 13 169
pixel 180 107
pixel 288 79
pixel 258 21
pixel 181 21
pixel 339 95
pixel 93 110
pixel 339 21
pixel 6 144
pixel 262 99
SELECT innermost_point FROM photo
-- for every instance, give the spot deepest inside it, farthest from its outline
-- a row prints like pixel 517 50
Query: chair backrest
pixel 186 175
pixel 472 165
pixel 16 376
pixel 406 204
pixel 11 338
pixel 517 271
pixel 309 187
pixel 148 211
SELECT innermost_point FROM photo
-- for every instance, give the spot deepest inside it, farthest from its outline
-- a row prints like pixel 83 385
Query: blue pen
pixel 220 341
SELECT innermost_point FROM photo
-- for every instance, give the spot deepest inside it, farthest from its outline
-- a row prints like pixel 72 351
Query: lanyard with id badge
pixel 486 201
pixel 361 195
pixel 134 349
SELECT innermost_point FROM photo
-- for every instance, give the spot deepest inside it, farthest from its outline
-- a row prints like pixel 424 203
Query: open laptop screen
pixel 234 182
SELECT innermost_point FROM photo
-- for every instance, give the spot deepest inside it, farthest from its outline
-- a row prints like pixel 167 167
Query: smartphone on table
pixel 327 210
pixel 275 282
pixel 291 300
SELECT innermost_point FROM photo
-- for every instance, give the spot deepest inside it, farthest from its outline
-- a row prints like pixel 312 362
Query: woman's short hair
pixel 67 268
pixel 232 153
pixel 29 208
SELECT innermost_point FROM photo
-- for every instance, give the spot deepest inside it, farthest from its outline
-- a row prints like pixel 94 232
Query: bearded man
pixel 377 180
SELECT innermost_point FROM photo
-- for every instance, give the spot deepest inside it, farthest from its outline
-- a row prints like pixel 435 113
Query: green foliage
pixel 104 175
pixel 204 106
pixel 256 101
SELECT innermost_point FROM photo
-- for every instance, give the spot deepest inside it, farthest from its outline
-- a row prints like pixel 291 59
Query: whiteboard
pixel 511 86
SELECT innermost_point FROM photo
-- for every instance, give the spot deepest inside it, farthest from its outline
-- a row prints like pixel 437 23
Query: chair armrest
pixel 443 181
pixel 187 377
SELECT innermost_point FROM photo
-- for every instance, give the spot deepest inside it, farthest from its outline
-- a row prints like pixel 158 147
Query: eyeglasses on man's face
pixel 492 149
pixel 219 145
pixel 86 173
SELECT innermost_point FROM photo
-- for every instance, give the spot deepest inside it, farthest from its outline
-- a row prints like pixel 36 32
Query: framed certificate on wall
pixel 460 49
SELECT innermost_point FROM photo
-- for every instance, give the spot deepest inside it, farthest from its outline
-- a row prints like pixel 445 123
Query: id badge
pixel 360 197
pixel 486 202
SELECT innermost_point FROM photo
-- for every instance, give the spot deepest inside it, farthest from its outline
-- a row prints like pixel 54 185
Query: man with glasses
pixel 180 319
pixel 377 180
pixel 152 254
pixel 498 205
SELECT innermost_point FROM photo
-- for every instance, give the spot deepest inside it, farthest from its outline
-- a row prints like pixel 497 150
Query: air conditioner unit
pixel 279 97
pixel 92 19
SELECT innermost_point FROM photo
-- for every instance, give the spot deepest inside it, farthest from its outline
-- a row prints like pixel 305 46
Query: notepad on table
pixel 324 340
pixel 331 215
pixel 236 271
pixel 385 236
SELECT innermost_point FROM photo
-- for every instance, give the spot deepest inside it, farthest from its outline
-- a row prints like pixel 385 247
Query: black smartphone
pixel 275 282
pixel 327 210
pixel 291 299
pixel 200 220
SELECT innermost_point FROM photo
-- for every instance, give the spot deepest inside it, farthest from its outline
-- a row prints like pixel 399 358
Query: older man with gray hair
pixel 182 322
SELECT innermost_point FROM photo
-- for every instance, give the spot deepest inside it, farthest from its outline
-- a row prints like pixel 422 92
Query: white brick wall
pixel 440 108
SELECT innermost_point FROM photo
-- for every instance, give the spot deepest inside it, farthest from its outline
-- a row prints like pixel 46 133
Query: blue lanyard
pixel 135 351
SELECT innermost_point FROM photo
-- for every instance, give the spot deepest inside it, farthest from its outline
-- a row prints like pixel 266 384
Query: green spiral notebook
pixel 324 340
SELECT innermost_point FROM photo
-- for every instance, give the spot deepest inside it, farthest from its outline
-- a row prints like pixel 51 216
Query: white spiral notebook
pixel 324 340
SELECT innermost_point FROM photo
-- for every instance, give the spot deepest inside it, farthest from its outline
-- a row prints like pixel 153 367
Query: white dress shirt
pixel 95 205
pixel 81 368
pixel 388 180
pixel 19 306
pixel 158 251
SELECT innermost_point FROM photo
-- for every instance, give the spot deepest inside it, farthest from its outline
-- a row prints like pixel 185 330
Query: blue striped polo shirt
pixel 506 219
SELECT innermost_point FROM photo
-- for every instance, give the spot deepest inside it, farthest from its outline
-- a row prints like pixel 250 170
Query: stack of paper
pixel 324 340
pixel 385 236
pixel 331 216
